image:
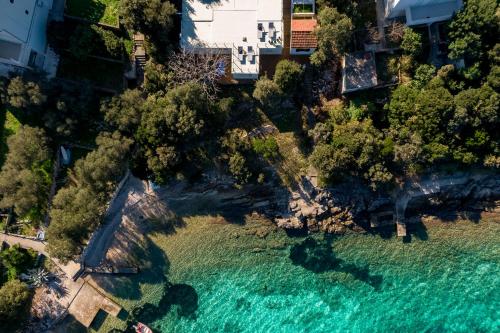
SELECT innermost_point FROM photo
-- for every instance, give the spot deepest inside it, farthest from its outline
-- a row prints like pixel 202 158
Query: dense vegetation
pixel 182 123
pixel 26 174
pixel 439 117
pixel 77 209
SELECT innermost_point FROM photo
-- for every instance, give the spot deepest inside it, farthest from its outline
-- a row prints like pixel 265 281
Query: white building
pixel 244 29
pixel 23 38
pixel 422 11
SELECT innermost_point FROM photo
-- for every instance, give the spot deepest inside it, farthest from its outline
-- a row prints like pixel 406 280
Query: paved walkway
pixel 132 192
pixel 71 268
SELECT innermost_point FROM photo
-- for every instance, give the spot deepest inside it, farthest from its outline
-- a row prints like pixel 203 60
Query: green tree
pixel 268 93
pixel 473 29
pixel 17 260
pixel 425 111
pixel 354 148
pixel 423 75
pixel 124 111
pixel 24 95
pixel 154 18
pixel 333 34
pixel 75 212
pixel 25 176
pixel 147 15
pixel 14 303
pixel 267 147
pixel 494 77
pixel 238 168
pixel 288 76
pixel 102 168
pixel 171 128
pixel 412 42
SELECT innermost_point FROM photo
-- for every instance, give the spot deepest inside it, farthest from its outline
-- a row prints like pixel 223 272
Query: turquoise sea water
pixel 447 279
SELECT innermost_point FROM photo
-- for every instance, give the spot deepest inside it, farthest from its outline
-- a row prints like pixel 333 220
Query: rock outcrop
pixel 335 210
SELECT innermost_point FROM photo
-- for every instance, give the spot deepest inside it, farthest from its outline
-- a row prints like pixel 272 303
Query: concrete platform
pixel 87 304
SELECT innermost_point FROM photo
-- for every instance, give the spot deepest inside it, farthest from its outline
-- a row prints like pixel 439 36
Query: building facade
pixel 23 37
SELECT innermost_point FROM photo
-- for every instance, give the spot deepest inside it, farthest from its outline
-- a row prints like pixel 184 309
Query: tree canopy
pixel 14 302
pixel 25 176
pixel 333 34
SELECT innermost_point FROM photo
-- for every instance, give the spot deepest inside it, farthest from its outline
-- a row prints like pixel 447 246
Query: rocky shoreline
pixel 352 206
pixel 335 210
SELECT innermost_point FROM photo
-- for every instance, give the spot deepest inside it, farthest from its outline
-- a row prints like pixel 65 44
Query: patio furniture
pixel 260 31
pixel 272 30
pixel 251 54
pixel 241 55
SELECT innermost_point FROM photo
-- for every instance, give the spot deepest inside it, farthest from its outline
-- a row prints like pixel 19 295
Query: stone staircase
pixel 140 57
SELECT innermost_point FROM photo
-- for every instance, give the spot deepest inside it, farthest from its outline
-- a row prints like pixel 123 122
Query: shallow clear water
pixel 224 278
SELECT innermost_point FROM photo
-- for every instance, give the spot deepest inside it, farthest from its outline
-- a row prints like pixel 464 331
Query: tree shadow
pixel 318 257
pixel 154 266
pixel 181 297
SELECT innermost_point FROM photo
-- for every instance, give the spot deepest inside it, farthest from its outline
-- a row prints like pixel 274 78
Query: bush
pixel 268 93
pixel 412 42
pixel 288 76
pixel 93 40
pixel 267 147
pixel 14 302
pixel 17 260
pixel 239 169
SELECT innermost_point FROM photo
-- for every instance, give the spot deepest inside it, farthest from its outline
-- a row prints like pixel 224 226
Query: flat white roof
pixel 212 22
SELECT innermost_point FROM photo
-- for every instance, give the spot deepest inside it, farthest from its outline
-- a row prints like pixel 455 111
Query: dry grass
pixel 292 163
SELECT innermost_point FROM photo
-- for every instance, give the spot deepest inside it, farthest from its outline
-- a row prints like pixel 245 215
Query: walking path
pixel 131 193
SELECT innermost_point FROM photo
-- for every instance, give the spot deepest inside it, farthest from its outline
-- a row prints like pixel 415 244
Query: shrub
pixel 287 76
pixel 267 147
pixel 412 42
pixel 14 301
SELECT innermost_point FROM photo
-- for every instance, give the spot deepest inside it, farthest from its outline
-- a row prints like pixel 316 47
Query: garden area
pixel 105 74
pixel 96 11
pixel 91 52
pixel 15 296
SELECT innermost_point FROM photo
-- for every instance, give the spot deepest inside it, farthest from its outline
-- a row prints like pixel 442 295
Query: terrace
pixel 244 29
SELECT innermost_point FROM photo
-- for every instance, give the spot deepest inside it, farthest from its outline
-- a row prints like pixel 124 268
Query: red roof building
pixel 303 39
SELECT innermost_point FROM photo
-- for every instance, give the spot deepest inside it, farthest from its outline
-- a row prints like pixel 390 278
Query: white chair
pixel 272 30
pixel 241 54
pixel 250 53
pixel 260 31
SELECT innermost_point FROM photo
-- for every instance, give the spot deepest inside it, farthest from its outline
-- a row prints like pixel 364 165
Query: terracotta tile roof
pixel 302 34
pixel 304 24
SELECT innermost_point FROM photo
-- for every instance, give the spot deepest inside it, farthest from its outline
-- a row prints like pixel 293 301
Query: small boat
pixel 141 328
